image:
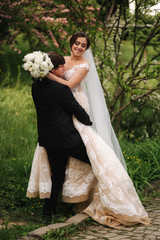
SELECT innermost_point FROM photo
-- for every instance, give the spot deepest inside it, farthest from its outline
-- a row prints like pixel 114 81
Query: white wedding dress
pixel 103 190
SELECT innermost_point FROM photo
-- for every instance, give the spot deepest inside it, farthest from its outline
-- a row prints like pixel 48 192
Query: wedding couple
pixel 89 158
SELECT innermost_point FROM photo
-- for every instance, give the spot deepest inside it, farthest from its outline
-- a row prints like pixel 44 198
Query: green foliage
pixel 144 23
pixel 60 233
pixel 143 161
pixel 142 119
pixel 17 143
pixel 18 140
pixel 47 25
pixel 66 232
pixel 16 231
pixel 11 70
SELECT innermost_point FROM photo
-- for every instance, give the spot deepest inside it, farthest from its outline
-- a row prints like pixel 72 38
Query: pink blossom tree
pixel 48 22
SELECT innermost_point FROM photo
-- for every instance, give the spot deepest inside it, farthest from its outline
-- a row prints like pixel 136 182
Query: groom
pixel 55 106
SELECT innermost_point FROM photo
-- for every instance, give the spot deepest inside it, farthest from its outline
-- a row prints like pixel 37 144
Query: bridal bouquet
pixel 37 63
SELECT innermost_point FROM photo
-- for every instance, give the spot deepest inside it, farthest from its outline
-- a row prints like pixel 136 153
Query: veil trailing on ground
pixel 98 109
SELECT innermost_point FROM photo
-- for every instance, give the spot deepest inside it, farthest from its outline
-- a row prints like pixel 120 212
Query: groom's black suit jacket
pixel 55 105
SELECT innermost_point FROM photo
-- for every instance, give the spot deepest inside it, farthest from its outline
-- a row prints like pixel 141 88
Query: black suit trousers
pixel 58 160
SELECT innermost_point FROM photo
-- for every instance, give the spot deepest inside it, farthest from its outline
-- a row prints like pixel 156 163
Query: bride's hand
pixel 55 78
pixel 51 76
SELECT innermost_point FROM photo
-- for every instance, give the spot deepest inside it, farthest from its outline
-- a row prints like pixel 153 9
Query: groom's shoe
pixel 47 217
pixel 49 209
pixel 48 213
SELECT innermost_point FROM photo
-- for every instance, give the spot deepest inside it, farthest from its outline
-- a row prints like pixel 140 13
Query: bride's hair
pixel 77 35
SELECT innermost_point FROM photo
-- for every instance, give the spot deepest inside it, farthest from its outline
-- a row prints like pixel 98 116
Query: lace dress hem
pixel 75 199
pixel 41 195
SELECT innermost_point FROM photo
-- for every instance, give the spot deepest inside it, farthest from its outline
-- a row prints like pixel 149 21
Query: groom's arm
pixel 68 101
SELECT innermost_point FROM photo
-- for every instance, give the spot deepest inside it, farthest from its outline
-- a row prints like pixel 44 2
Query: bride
pixel 103 190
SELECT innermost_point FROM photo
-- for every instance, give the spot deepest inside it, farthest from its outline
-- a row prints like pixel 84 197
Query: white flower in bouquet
pixel 27 65
pixel 44 65
pixel 37 63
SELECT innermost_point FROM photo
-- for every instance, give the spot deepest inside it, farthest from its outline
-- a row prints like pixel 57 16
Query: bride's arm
pixel 74 80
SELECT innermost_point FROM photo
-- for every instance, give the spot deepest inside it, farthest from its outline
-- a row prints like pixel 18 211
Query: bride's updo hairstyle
pixel 77 35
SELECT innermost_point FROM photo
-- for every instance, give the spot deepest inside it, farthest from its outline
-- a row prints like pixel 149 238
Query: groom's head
pixel 58 61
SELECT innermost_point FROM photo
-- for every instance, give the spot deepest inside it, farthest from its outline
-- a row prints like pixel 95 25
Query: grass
pixel 143 161
pixel 18 140
pixel 66 232
pixel 16 231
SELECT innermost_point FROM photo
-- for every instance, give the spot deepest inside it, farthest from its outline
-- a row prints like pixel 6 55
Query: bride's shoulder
pixel 85 61
pixel 84 64
pixel 75 65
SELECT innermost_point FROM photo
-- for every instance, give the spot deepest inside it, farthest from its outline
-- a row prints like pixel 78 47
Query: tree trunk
pixel 120 115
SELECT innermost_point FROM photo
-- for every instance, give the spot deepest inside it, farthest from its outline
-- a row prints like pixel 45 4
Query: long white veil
pixel 98 109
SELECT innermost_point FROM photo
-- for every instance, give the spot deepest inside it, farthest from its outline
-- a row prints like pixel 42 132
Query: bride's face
pixel 79 46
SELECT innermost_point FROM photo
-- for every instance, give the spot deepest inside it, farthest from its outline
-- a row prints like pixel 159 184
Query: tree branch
pixel 133 100
pixel 135 34
pixel 150 36
pixel 140 70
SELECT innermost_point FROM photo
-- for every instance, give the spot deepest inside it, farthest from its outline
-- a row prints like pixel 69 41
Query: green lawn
pixel 18 140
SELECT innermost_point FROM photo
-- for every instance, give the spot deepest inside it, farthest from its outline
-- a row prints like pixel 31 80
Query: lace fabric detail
pixel 116 189
pixel 69 73
pixel 78 180
pixel 83 65
pixel 40 177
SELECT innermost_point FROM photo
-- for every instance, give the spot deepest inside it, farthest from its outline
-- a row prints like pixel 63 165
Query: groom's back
pixel 55 125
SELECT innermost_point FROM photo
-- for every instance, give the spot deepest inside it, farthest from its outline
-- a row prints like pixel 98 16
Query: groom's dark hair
pixel 56 59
